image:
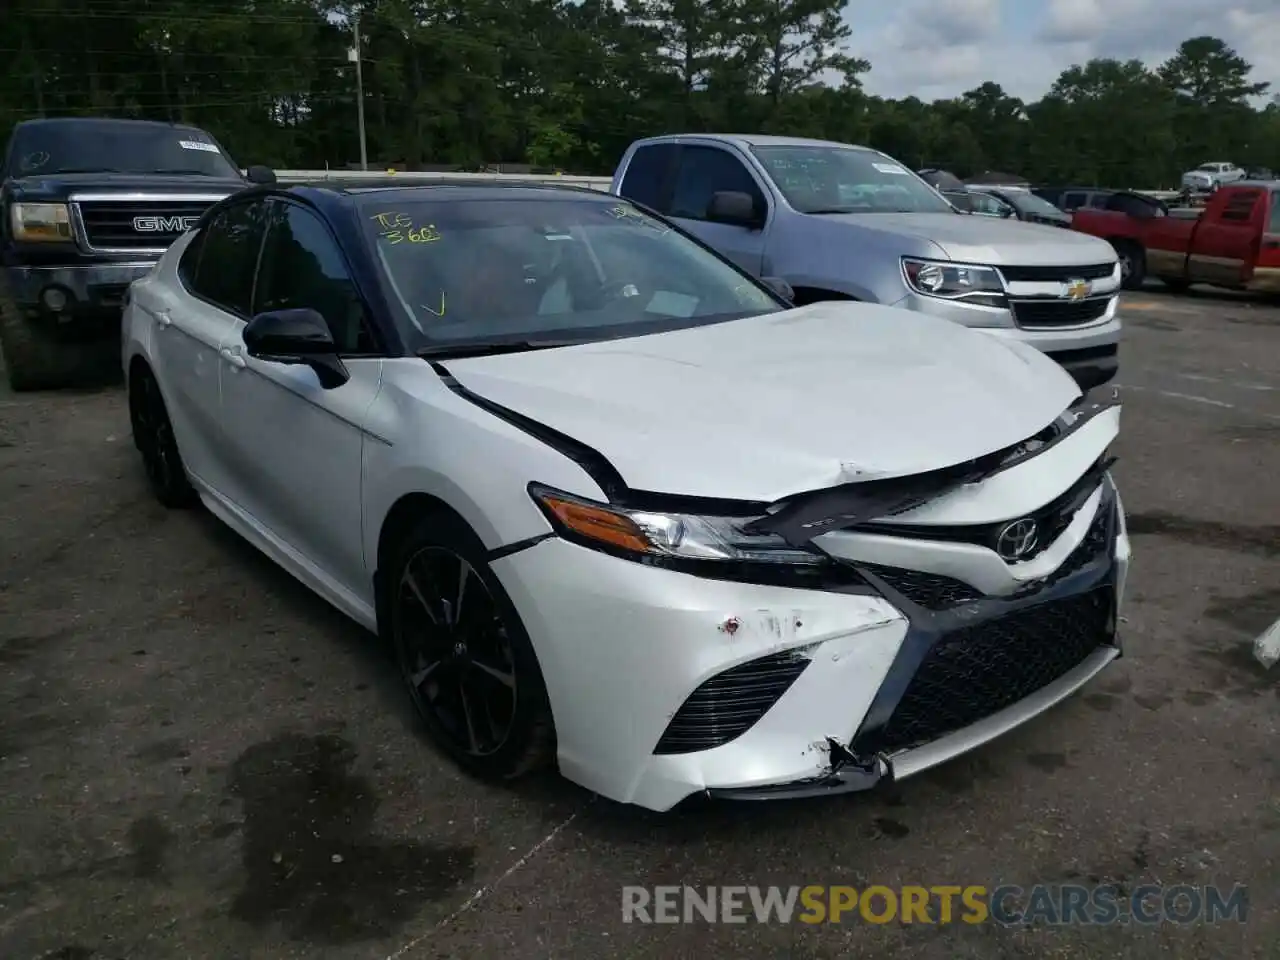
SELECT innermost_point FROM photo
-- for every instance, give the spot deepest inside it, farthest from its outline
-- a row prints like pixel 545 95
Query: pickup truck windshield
pixel 486 271
pixel 1029 203
pixel 822 179
pixel 106 146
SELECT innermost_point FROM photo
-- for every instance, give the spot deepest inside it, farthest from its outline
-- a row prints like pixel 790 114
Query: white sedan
pixel 618 506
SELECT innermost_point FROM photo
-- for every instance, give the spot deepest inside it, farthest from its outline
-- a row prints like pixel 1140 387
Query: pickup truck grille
pixel 137 224
pixel 1097 271
pixel 1031 314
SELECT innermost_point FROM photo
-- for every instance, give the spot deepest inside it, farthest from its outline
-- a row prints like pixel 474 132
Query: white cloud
pixel 940 48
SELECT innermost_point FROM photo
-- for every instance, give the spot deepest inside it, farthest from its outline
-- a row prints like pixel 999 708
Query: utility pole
pixel 353 55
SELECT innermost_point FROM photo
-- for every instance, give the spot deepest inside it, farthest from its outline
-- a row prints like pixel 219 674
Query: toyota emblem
pixel 1017 539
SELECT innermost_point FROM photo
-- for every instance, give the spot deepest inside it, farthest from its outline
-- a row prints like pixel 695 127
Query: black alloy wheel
pixel 464 655
pixel 153 436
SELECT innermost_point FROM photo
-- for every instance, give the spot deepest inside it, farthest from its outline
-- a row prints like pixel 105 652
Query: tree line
pixel 567 84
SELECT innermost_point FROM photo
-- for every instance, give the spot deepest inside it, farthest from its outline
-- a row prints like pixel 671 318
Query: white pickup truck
pixel 1209 176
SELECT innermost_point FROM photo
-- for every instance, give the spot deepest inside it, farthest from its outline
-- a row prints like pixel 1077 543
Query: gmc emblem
pixel 164 224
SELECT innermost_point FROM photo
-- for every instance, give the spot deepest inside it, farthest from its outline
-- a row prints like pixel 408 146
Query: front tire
pixel 153 436
pixel 36 358
pixel 1133 264
pixel 464 654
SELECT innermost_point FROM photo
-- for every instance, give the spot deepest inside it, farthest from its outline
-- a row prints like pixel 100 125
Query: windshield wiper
pixel 490 348
pixel 823 210
pixel 58 173
pixel 186 171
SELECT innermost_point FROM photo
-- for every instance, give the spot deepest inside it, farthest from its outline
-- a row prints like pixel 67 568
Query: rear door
pixel 701 171
pixel 1226 244
pixel 193 317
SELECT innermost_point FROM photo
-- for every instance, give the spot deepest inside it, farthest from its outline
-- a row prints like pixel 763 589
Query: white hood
pixel 974 239
pixel 766 407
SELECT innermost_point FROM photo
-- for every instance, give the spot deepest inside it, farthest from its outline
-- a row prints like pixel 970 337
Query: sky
pixel 935 49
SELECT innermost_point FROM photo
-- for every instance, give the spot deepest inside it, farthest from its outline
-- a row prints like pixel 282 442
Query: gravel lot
pixel 200 759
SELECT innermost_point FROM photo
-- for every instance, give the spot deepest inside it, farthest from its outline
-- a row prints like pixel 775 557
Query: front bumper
pixel 1088 351
pixel 92 293
pixel 626 648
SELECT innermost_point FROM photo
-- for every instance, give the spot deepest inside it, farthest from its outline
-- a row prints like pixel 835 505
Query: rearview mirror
pixel 732 206
pixel 297 337
pixel 260 174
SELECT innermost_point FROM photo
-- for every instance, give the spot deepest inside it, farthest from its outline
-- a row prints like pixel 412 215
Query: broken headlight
pixel 967 282
pixel 715 546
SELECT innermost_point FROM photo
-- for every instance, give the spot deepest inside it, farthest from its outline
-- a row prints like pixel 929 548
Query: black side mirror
pixel 298 336
pixel 734 207
pixel 260 174
pixel 780 287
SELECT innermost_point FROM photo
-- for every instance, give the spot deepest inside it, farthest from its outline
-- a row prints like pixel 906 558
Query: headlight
pixel 38 222
pixel 714 546
pixel 970 283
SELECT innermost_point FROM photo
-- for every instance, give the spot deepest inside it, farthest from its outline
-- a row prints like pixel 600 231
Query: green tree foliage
pixel 567 84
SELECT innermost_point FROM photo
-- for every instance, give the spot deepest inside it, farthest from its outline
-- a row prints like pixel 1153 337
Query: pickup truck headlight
pixel 40 222
pixel 967 282
pixel 712 546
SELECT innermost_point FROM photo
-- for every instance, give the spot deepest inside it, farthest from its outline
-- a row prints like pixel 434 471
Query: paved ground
pixel 199 759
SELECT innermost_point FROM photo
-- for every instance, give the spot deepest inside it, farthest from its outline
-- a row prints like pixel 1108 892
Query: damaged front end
pixel 974 663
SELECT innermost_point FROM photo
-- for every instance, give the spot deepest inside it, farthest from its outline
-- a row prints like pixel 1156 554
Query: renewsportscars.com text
pixel 1006 905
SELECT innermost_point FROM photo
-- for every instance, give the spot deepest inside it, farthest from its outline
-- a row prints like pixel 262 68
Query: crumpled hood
pixel 769 406
pixel 986 240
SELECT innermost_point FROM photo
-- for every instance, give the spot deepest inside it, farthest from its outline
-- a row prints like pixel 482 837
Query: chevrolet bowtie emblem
pixel 1077 289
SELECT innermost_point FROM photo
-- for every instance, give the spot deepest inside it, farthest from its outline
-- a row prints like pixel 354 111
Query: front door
pixel 296 447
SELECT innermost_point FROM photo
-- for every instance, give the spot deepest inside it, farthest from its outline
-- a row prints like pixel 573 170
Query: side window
pixel 228 254
pixel 1072 201
pixel 646 178
pixel 189 265
pixel 1273 225
pixel 704 171
pixel 1099 201
pixel 1239 208
pixel 302 266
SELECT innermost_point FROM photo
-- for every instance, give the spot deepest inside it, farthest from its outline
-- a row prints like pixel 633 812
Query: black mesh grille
pixel 929 590
pixel 731 703
pixel 1058 313
pixel 1097 271
pixel 973 672
pixel 111 223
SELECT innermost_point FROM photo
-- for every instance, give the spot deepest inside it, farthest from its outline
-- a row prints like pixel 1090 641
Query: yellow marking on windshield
pixel 397 227
pixel 435 313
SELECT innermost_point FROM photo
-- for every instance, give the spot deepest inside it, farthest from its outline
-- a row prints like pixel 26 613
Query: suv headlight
pixel 967 282
pixel 40 222
pixel 703 545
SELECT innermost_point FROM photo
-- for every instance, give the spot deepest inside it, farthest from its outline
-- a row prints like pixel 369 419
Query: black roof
pixel 103 121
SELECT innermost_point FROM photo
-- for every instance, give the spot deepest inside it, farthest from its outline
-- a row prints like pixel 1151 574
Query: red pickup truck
pixel 1233 242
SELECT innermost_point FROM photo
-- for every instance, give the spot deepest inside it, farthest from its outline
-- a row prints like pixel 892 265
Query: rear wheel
pixel 464 654
pixel 1178 285
pixel 1133 264
pixel 153 436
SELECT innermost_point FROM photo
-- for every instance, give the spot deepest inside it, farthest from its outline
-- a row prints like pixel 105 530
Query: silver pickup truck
pixel 840 222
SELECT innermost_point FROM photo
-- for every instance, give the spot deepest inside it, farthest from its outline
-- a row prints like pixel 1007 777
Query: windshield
pixel 580 269
pixel 88 146
pixel 1211 167
pixel 822 179
pixel 1030 203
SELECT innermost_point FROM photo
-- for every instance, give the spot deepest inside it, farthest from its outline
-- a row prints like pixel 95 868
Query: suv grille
pixel 1099 271
pixel 976 671
pixel 731 703
pixel 137 224
pixel 1058 313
